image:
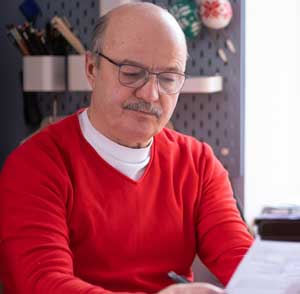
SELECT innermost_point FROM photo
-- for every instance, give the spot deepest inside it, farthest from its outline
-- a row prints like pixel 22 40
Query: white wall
pixel 272 134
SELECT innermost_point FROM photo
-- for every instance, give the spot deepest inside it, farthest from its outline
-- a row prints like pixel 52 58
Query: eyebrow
pixel 164 69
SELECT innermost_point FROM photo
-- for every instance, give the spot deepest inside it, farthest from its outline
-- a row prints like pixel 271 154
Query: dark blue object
pixel 177 278
pixel 30 10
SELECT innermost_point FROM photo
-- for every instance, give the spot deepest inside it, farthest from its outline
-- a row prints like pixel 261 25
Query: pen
pixel 177 278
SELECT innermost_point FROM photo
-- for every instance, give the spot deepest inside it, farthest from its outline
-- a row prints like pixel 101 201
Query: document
pixel 269 267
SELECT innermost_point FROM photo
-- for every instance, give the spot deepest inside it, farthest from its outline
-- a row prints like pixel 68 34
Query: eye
pixel 132 74
pixel 168 77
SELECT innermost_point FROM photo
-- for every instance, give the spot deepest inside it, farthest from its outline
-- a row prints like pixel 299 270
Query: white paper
pixel 269 267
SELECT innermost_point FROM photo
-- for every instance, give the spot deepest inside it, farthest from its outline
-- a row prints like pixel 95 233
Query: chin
pixel 141 131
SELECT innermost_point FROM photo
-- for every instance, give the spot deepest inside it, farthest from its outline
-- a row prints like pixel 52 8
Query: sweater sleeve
pixel 222 236
pixel 34 240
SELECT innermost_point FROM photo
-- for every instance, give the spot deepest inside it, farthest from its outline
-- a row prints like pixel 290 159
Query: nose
pixel 149 91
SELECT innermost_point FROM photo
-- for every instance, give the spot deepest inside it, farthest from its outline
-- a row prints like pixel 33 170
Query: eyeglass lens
pixel 135 76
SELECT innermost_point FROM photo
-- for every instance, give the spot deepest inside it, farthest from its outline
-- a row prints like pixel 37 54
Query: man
pixel 109 201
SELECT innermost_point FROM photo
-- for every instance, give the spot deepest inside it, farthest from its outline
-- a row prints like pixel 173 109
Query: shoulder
pixel 45 149
pixel 177 142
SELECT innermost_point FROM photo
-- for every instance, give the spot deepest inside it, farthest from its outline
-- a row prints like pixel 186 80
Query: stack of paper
pixel 270 267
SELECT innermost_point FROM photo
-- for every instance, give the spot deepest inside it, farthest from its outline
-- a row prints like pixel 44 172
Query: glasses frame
pixel 119 65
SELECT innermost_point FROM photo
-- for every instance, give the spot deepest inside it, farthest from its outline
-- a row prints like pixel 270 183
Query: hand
pixel 192 288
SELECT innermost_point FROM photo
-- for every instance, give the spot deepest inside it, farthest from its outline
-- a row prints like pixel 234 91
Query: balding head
pixel 149 18
pixel 143 58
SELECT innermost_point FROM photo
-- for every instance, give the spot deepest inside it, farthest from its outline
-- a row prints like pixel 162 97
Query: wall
pixel 12 125
pixel 272 116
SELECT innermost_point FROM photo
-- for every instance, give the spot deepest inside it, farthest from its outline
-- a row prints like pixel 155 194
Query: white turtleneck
pixel 129 161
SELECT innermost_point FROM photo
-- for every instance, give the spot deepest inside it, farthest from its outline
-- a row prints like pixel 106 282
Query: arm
pixel 222 236
pixel 35 204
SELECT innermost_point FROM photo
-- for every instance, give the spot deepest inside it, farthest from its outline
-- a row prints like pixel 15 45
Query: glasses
pixel 134 76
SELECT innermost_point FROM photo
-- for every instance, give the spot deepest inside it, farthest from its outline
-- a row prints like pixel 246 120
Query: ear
pixel 91 69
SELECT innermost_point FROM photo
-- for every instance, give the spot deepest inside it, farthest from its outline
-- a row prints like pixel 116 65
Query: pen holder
pixel 77 80
pixel 44 73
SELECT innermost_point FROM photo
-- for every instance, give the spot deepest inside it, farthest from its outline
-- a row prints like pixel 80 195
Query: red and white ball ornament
pixel 215 14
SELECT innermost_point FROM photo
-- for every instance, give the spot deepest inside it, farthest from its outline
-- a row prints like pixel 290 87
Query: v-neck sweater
pixel 72 223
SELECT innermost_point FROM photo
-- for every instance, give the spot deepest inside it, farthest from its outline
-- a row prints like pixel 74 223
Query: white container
pixel 44 73
pixel 211 84
pixel 77 80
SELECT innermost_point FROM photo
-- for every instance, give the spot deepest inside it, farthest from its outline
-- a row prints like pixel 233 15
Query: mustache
pixel 145 107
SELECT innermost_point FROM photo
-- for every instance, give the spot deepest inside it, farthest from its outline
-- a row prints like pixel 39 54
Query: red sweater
pixel 71 223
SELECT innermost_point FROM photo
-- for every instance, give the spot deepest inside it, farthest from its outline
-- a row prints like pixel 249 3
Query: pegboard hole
pixel 201 124
pixel 217 124
pixel 193 116
pixel 201 107
pixel 209 116
pixel 86 99
pixel 209 133
pixel 185 124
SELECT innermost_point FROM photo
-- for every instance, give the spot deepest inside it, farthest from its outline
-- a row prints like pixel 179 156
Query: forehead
pixel 150 40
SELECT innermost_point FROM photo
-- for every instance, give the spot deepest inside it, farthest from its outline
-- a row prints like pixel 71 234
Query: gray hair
pixel 97 40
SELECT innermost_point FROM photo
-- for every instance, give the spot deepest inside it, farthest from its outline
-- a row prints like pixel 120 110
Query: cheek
pixel 169 103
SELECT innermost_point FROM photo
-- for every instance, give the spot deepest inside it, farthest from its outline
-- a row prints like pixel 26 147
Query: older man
pixel 107 200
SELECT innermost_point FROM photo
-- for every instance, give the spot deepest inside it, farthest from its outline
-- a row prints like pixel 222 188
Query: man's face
pixel 131 116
